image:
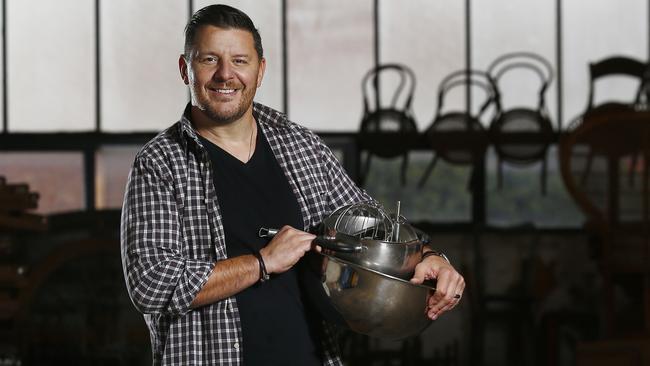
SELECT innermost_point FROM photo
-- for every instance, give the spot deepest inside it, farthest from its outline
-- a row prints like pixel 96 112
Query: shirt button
pixel 236 345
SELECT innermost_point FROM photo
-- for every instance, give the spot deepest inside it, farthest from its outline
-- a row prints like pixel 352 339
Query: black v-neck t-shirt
pixel 278 326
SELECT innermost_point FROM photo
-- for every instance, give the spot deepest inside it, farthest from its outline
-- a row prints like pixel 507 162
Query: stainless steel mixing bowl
pixel 373 303
pixel 390 258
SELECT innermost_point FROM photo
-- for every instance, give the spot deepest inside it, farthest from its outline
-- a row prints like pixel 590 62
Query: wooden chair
pixel 606 69
pixel 604 164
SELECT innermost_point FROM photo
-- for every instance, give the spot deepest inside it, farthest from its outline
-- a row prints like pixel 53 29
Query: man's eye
pixel 210 59
pixel 240 61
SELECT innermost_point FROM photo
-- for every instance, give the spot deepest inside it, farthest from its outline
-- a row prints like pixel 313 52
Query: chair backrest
pixel 392 118
pixel 602 161
pixel 508 62
pixel 460 121
pixel 469 78
pixel 618 66
pixel 370 88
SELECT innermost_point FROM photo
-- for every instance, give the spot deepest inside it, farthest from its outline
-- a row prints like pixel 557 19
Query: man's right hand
pixel 286 248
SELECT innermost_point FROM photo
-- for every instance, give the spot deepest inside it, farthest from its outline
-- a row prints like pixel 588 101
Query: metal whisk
pixel 365 220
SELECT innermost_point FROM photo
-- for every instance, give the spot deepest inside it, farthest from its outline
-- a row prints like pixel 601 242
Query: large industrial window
pixel 50 65
pixel 74 68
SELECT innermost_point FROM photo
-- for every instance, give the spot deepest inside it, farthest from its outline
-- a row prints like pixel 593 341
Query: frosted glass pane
pixel 141 87
pixel 593 30
pixel 113 165
pixel 51 65
pixel 330 49
pixel 503 26
pixel 267 17
pixel 428 37
pixel 56 177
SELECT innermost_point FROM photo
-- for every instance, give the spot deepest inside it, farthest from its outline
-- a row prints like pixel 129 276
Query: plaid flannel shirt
pixel 172 234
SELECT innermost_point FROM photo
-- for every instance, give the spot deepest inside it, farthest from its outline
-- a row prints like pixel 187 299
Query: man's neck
pixel 236 137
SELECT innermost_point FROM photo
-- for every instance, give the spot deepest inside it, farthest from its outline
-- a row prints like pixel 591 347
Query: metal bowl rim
pixel 335 259
pixel 391 243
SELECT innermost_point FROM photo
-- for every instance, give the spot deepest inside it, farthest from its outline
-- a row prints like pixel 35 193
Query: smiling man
pixel 212 292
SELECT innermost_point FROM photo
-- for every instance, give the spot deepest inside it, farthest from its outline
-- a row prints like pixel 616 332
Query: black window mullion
pixel 478 174
pixel 376 51
pixel 5 114
pixel 285 58
pixel 558 61
pixel 98 75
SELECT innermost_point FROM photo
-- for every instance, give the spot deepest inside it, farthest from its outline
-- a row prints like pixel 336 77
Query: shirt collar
pixel 264 115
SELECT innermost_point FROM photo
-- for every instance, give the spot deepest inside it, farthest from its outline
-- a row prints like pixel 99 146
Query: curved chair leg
pixel 405 162
pixel 428 171
pixel 544 175
pixel 499 173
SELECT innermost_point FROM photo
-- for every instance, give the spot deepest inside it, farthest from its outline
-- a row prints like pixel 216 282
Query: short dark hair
pixel 222 16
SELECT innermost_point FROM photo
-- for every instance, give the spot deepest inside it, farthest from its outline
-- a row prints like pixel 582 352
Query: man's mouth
pixel 225 91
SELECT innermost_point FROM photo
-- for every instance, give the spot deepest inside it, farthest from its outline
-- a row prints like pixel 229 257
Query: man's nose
pixel 224 71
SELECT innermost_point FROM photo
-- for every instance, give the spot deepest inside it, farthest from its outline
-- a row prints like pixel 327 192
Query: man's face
pixel 223 72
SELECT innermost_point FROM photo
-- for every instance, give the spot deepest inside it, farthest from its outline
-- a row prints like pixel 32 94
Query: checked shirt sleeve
pixel 160 280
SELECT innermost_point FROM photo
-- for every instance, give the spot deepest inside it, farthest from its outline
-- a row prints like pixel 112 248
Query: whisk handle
pixel 267 232
pixel 341 243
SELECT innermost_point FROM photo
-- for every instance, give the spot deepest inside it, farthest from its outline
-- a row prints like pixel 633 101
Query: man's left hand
pixel 449 284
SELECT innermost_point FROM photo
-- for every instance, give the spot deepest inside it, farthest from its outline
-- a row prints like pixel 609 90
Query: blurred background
pixel 514 133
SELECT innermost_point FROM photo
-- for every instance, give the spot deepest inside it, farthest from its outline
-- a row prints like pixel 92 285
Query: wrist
pixel 432 253
pixel 268 263
pixel 263 273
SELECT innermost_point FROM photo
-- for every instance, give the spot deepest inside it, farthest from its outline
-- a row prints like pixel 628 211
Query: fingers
pixel 449 291
pixel 286 248
pixel 422 272
pixel 454 301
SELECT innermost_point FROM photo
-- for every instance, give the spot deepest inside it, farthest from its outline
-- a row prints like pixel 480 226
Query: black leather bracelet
pixel 431 252
pixel 264 276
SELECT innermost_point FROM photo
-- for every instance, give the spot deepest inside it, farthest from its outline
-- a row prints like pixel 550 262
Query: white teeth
pixel 226 91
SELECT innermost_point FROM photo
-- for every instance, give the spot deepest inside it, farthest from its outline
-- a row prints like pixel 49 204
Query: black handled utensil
pixel 337 242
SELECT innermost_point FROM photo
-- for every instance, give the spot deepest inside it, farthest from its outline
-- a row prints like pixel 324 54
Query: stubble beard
pixel 211 108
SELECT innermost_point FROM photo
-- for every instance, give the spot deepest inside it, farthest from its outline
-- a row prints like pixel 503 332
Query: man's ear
pixel 182 68
pixel 260 72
